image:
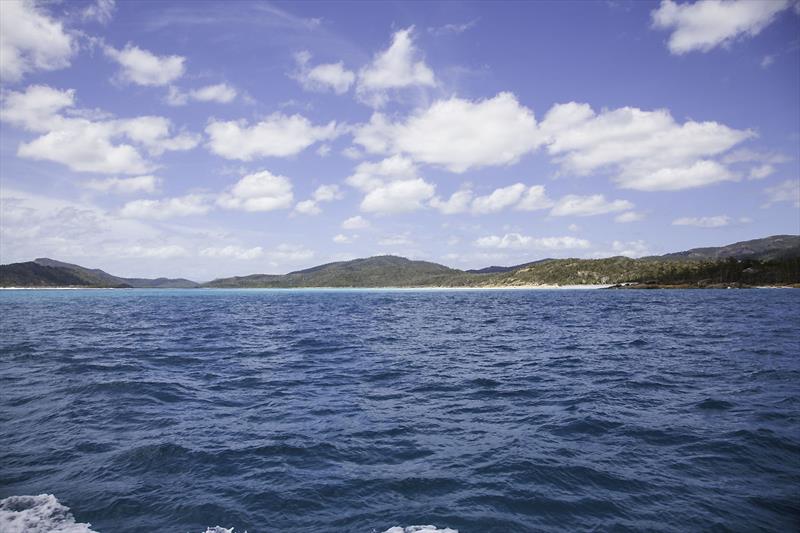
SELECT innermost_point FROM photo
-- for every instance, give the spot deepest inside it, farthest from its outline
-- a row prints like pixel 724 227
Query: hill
pixel 770 261
pixel 44 272
pixel 379 271
pixel 766 249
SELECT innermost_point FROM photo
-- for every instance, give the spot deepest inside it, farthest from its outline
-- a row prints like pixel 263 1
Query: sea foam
pixel 38 514
pixel 419 529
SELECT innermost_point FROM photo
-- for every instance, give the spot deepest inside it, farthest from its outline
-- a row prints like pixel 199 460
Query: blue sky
pixel 204 139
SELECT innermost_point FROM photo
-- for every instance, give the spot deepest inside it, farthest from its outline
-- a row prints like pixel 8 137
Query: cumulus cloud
pixel 499 199
pixel 341 238
pixel 457 134
pixel 144 184
pixel 397 67
pixel 391 186
pixel 324 77
pixel 261 191
pixel 30 40
pixel 707 24
pixel 145 68
pixel 83 144
pixel 628 216
pixel 276 136
pixel 703 222
pixel 232 252
pixel 398 196
pixel 323 193
pixel 519 196
pixel 582 206
pixel 221 93
pixel 356 222
pixel 646 150
pixel 192 204
pixel 458 202
pixel 519 241
pixel 786 191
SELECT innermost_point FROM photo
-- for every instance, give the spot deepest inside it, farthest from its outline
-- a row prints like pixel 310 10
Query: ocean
pixel 366 410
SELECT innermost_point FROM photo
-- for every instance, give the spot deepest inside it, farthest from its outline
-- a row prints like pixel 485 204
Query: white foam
pixel 218 529
pixel 38 514
pixel 419 529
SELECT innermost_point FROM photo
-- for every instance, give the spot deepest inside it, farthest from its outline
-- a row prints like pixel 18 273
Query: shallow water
pixel 485 411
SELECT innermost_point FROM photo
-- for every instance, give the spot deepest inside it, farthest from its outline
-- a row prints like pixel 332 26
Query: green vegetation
pixel 770 261
pixel 45 272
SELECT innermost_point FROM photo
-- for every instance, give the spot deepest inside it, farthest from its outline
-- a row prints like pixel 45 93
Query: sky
pixel 209 139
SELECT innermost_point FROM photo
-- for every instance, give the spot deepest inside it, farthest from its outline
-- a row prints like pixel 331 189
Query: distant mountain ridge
pixel 45 272
pixel 771 260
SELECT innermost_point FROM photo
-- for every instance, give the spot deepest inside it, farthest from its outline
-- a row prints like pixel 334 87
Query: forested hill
pixel 770 261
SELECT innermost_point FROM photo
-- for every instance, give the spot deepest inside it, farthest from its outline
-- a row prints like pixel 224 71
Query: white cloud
pixel 760 172
pixel 176 97
pixel 356 222
pixel 221 93
pixel 396 240
pixel 767 60
pixel 786 191
pixel 145 68
pixel 342 239
pixel 452 29
pixel 499 199
pixel 747 155
pixel 232 252
pixel 323 193
pixel 596 204
pixel 145 184
pixel 83 144
pixel 324 77
pixel 192 204
pixel 646 150
pixel 261 191
pixel 457 134
pixel 631 248
pixel 308 207
pixel 30 40
pixel 706 24
pixel 535 198
pixel 100 11
pixel 324 150
pixel 276 136
pixel 327 193
pixel 458 202
pixel 291 253
pixel 628 216
pixel 398 196
pixel 152 252
pixel 703 222
pixel 391 186
pixel 516 240
pixel 518 195
pixel 397 67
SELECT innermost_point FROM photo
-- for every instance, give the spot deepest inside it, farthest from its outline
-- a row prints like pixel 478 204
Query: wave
pixel 419 529
pixel 38 514
pixel 45 514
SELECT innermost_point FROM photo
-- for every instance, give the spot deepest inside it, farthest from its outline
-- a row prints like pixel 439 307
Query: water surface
pixel 482 411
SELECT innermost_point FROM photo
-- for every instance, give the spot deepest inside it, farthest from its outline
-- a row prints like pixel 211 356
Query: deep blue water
pixel 482 411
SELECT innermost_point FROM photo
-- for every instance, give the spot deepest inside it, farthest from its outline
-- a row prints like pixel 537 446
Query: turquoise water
pixel 481 411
